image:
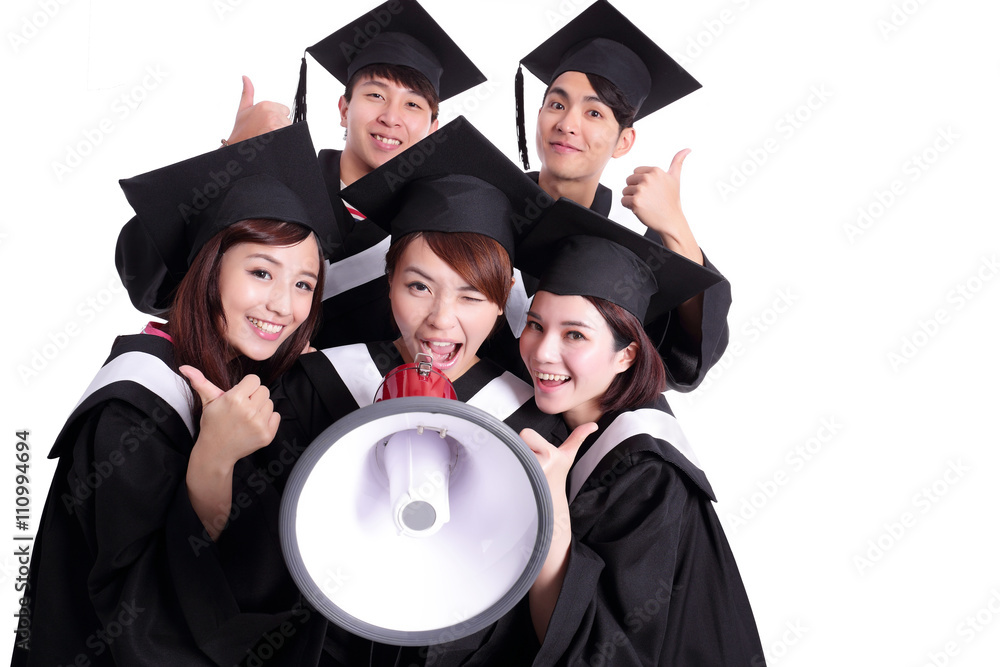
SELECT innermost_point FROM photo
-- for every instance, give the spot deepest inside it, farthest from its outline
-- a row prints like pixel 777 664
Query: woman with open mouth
pixel 228 249
pixel 645 576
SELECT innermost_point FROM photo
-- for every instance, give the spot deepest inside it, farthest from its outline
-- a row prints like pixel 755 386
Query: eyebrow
pixel 265 257
pixel 463 288
pixel 385 86
pixel 567 323
pixel 272 260
pixel 588 98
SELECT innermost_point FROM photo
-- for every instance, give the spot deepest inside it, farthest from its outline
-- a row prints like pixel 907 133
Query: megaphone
pixel 416 520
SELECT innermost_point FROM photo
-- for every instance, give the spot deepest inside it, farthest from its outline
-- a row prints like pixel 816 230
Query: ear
pixel 342 105
pixel 625 142
pixel 434 125
pixel 626 357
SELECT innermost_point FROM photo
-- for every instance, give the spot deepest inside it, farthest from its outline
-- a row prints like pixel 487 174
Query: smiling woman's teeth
pixel 550 376
pixel 387 140
pixel 266 327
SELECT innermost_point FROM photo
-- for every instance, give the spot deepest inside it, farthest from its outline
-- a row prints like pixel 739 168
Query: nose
pixel 546 348
pixel 569 121
pixel 391 114
pixel 442 315
pixel 279 300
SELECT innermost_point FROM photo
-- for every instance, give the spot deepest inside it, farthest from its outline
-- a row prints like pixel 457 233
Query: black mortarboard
pixel 453 180
pixel 574 250
pixel 602 41
pixel 398 32
pixel 180 207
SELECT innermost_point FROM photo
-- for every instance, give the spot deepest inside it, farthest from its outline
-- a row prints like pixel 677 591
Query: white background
pixel 834 575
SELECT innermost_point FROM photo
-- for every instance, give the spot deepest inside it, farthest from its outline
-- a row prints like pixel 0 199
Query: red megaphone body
pixel 417 379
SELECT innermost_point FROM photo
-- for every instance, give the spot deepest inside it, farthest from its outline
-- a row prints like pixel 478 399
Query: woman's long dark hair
pixel 646 378
pixel 196 320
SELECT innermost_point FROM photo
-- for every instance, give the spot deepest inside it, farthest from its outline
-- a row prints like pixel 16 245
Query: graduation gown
pixel 105 586
pixel 651 579
pixel 355 292
pixel 321 388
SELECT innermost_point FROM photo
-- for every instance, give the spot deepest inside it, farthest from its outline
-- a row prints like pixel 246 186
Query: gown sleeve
pixel 100 581
pixel 651 579
pixel 237 590
pixel 686 359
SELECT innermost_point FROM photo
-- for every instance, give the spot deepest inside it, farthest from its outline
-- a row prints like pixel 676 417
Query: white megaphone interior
pixel 356 556
pixel 417 465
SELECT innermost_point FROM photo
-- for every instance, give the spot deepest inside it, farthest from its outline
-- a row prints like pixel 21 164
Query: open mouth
pixel 267 330
pixel 444 353
pixel 386 141
pixel 550 380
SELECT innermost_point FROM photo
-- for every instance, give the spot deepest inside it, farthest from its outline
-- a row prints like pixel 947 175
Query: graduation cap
pixel 453 180
pixel 576 251
pixel 397 32
pixel 180 207
pixel 602 41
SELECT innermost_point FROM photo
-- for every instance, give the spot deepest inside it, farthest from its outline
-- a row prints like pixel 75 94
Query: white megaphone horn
pixel 416 520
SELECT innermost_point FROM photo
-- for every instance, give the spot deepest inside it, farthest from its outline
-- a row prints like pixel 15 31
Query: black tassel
pixel 522 141
pixel 299 113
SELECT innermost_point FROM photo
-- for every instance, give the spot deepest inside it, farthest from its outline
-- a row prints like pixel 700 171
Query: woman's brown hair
pixel 479 259
pixel 646 378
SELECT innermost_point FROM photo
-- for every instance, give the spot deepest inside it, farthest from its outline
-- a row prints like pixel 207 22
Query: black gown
pixel 651 579
pixel 319 389
pixel 355 293
pixel 116 545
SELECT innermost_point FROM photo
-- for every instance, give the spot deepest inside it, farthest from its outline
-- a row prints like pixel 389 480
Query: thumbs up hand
pixel 556 461
pixel 255 119
pixel 234 423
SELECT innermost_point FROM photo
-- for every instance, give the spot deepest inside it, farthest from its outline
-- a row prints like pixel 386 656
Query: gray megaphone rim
pixel 344 426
